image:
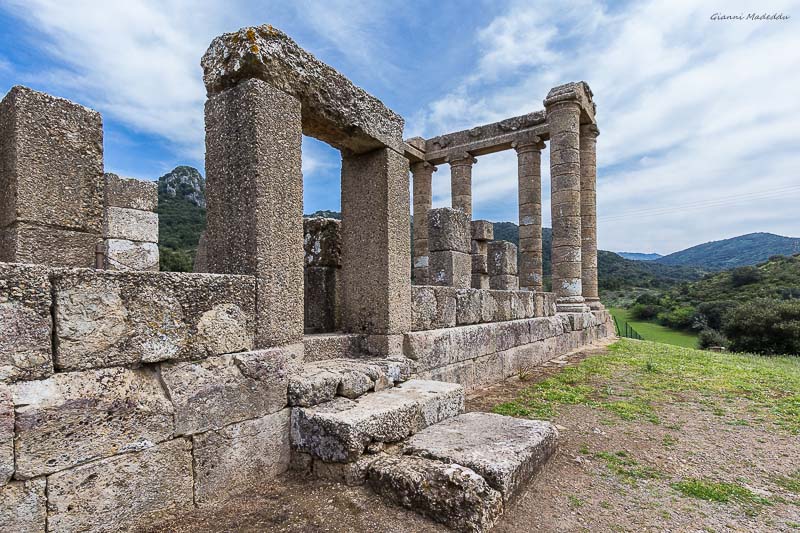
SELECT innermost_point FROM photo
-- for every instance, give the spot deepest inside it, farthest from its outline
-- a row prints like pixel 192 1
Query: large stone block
pixel 254 192
pixel 130 224
pixel 25 324
pixel 448 230
pixel 482 230
pixel 130 255
pixel 23 506
pixel 448 493
pixel 488 370
pixel 322 242
pixel 468 309
pixel 462 373
pixel 241 457
pixel 77 417
pixel 451 269
pixel 333 346
pixel 504 282
pixel 6 435
pixel 321 312
pixel 45 245
pixel 502 256
pixel 51 162
pixel 122 493
pixel 432 307
pixel 334 109
pixel 105 318
pixel 438 348
pixel 217 391
pixel 130 193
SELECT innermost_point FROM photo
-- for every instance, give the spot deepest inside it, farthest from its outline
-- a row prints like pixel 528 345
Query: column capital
pixel 528 145
pixel 461 159
pixel 590 130
pixel 422 166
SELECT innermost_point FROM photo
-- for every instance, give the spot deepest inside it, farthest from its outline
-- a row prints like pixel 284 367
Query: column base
pixel 594 304
pixel 571 308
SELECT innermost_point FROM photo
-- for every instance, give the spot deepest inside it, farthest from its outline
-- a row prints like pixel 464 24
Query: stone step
pixel 340 430
pixel 322 381
pixel 506 451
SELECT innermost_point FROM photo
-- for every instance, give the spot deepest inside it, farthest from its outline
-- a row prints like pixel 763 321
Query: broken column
pixel 449 234
pixel 461 182
pixel 503 266
pixel 51 180
pixel 130 226
pixel 422 174
pixel 529 164
pixel 589 133
pixel 254 192
pixel 482 233
pixel 563 117
pixel 323 261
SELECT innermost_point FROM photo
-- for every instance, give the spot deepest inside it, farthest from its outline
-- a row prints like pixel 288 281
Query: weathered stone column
pixel 589 133
pixel 461 183
pixel 422 174
pixel 254 192
pixel 502 257
pixel 529 173
pixel 563 118
pixel 449 233
pixel 376 246
pixel 482 234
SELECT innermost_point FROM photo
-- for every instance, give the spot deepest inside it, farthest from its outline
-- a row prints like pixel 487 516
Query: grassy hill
pixel 738 251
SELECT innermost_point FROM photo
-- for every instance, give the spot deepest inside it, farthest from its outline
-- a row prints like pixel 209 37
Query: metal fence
pixel 627 331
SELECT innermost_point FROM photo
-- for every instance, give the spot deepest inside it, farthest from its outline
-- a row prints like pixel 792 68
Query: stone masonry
pixel 130 396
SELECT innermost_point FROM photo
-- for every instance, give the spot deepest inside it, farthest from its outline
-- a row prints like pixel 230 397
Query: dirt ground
pixel 609 474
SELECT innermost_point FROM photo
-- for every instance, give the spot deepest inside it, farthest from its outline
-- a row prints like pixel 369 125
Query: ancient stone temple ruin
pixel 128 396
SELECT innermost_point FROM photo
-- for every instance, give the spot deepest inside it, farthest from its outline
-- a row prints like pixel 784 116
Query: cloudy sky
pixel 699 118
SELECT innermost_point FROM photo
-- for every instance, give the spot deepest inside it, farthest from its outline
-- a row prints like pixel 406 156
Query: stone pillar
pixel 482 233
pixel 449 233
pixel 422 174
pixel 563 119
pixel 589 133
pixel 51 180
pixel 503 266
pixel 254 192
pixel 529 173
pixel 461 183
pixel 323 262
pixel 376 245
pixel 130 227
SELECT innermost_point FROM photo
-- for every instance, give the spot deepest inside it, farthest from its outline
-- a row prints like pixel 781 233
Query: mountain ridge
pixel 743 250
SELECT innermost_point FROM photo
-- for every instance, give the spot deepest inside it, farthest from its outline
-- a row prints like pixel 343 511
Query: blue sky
pixel 699 119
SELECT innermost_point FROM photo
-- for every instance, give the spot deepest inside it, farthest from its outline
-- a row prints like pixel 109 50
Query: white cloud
pixel 689 109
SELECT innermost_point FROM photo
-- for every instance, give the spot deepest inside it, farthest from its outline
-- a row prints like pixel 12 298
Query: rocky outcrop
pixel 183 182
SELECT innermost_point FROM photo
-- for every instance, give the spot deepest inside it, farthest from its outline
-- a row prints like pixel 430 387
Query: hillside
pixel 637 256
pixel 182 217
pixel 738 251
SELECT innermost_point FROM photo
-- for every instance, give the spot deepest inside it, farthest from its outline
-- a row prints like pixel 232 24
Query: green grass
pixel 633 378
pixel 650 331
pixel 717 491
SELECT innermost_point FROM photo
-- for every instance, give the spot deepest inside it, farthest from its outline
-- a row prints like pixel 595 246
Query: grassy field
pixel 650 331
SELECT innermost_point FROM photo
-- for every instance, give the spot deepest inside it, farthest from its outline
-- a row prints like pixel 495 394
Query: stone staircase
pixel 363 421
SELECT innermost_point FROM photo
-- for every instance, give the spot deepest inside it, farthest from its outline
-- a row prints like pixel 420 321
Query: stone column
pixel 254 192
pixel 482 234
pixel 51 180
pixel 563 119
pixel 529 172
pixel 461 182
pixel 130 226
pixel 376 246
pixel 589 133
pixel 502 257
pixel 422 174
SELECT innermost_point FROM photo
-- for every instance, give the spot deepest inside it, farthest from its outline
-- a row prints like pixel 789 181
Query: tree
pixel 744 276
pixel 765 326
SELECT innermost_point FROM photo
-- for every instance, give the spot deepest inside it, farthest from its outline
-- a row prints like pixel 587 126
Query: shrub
pixel 678 318
pixel 712 314
pixel 645 311
pixel 710 337
pixel 647 298
pixel 745 275
pixel 764 326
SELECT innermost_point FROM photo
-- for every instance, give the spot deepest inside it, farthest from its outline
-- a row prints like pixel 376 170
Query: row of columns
pixel 573 175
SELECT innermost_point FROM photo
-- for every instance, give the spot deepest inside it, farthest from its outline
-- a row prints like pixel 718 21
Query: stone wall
pixel 128 396
pixel 130 224
pixel 483 354
pixel 434 307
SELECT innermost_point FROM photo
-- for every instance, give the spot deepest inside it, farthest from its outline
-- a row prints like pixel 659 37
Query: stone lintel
pixel 485 145
pixel 334 110
pixel 574 91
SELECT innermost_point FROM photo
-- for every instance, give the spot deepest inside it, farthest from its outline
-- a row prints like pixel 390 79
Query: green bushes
pixel 764 326
pixel 681 317
pixel 708 338
pixel 745 276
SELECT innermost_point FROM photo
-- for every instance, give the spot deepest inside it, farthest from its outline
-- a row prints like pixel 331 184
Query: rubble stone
pixel 448 493
pixel 238 458
pixel 25 341
pixel 126 492
pixel 76 417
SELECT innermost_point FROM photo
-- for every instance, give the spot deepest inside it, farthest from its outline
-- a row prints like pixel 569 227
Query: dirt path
pixel 609 474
